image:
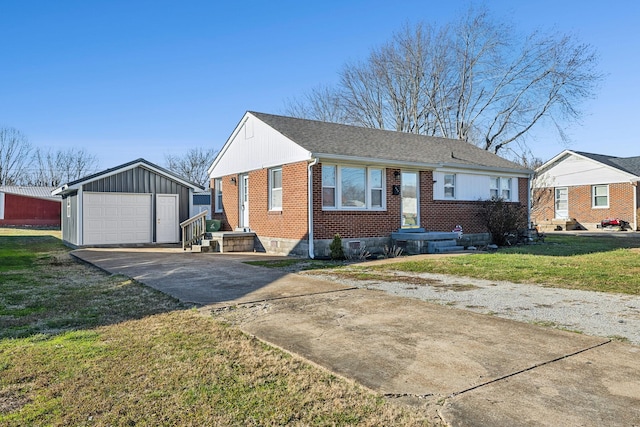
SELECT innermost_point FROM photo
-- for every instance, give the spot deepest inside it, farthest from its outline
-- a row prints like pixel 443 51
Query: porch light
pixel 233 180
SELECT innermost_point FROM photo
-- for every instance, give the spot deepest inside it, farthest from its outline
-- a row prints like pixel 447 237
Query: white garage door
pixel 115 218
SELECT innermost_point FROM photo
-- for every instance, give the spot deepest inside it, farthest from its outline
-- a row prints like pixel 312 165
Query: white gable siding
pixel 255 145
pixel 470 187
pixel 574 170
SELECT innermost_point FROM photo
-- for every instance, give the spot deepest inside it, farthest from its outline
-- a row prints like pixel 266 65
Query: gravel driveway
pixel 592 313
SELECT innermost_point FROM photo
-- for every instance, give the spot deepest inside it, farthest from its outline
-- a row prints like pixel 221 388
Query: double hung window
pixel 217 193
pixel 275 189
pixel 500 187
pixel 450 186
pixel 600 196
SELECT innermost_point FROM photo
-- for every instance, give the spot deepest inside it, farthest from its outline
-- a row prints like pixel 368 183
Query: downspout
pixel 310 207
pixel 529 197
pixel 635 206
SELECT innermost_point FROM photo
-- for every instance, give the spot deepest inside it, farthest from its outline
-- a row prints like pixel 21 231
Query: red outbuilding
pixel 32 206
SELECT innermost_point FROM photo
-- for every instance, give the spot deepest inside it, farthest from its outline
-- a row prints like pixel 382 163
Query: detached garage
pixel 135 203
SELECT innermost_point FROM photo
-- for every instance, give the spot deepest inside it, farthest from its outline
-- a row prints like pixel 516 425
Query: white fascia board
pixel 553 160
pixel 226 145
pixel 618 170
pixel 568 153
pixel 66 188
pixel 266 147
pixel 336 158
pixel 486 170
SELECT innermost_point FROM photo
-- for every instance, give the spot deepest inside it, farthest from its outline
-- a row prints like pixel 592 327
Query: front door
pixel 562 203
pixel 409 191
pixel 244 201
pixel 167 218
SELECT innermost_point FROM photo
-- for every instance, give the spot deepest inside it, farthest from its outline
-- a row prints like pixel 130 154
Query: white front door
pixel 244 201
pixel 167 218
pixel 562 203
pixel 409 192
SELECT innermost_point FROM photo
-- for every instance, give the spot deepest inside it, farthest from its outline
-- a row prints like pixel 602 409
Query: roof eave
pixel 522 171
pixel 371 160
pixel 77 184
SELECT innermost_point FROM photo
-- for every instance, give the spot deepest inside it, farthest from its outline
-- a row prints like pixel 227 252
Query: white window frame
pixel 593 196
pixel 272 189
pixel 217 195
pixel 368 189
pixel 498 187
pixel 452 186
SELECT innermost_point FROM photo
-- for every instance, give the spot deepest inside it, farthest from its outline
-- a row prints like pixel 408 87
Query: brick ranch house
pixel 295 183
pixel 579 190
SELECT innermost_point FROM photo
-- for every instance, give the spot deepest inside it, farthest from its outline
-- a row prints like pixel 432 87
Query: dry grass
pixel 80 347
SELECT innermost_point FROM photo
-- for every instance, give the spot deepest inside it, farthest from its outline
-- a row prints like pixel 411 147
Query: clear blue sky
pixel 130 79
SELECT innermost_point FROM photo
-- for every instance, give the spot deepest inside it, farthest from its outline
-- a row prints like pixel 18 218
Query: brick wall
pixel 289 223
pixel 354 224
pixel 229 215
pixel 580 204
pixel 444 215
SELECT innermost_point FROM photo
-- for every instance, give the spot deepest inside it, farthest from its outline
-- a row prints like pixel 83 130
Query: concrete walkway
pixel 463 368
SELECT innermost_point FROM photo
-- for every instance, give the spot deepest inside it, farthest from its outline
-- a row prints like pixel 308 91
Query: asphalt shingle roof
pixel 354 141
pixel 627 164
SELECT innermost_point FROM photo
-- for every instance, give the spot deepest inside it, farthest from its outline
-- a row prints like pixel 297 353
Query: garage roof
pixel 77 184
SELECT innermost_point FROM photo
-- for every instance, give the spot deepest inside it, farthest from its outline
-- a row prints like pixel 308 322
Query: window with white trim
pixel 217 195
pixel 500 187
pixel 600 196
pixel 275 189
pixel 353 187
pixel 68 207
pixel 450 186
pixel 328 186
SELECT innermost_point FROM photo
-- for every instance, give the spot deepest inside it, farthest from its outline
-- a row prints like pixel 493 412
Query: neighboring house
pixel 202 202
pixel 579 190
pixel 32 206
pixel 134 203
pixel 295 183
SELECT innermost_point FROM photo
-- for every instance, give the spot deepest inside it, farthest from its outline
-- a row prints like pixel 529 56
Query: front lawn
pixel 81 347
pixel 600 263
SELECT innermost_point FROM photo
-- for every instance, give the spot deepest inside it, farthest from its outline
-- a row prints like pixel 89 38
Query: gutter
pixel 310 205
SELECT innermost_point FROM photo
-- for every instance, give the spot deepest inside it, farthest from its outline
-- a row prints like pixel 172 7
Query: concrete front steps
pixel 418 241
pixel 223 242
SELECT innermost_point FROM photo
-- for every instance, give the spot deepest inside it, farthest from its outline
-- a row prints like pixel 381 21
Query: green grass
pixel 81 347
pixel 606 264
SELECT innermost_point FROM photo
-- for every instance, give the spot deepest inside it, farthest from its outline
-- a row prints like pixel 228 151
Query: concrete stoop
pixel 223 242
pixel 422 242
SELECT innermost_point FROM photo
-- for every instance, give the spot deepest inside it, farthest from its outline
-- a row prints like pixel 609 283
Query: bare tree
pixel 193 165
pixel 14 156
pixel 475 80
pixel 52 168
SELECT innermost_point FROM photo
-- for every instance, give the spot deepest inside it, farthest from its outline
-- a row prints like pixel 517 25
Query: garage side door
pixel 116 218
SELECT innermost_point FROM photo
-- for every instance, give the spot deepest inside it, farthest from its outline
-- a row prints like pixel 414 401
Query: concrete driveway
pixel 463 368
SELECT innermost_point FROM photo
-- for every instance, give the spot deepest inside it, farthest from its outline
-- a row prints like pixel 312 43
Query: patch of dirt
pixel 12 399
pixel 456 287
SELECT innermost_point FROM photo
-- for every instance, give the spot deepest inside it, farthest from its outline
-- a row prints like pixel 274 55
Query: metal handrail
pixel 193 229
